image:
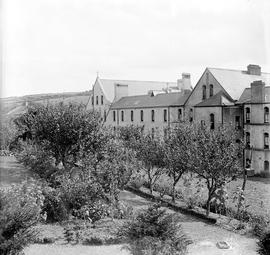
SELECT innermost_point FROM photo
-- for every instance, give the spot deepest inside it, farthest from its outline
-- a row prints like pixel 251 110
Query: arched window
pixel 266 140
pixel 114 116
pixel 204 92
pixel 165 115
pixel 266 115
pixel 122 115
pixel 141 115
pixel 153 115
pixel 211 92
pixel 191 115
pixel 266 165
pixel 247 139
pixel 101 99
pixel 96 99
pixel 212 121
pixel 179 114
pixel 131 115
pixel 247 115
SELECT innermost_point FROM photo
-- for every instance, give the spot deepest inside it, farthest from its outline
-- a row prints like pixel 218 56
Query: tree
pixel 150 151
pixel 62 128
pixel 178 153
pixel 216 157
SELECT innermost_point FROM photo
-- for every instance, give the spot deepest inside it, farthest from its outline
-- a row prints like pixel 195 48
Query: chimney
pixel 254 69
pixel 180 84
pixel 186 81
pixel 120 90
pixel 257 92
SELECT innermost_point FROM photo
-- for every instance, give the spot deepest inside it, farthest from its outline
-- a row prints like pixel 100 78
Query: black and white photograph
pixel 134 127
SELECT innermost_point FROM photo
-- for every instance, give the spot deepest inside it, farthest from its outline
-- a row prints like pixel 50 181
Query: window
pixel 266 115
pixel 141 115
pixel 247 115
pixel 114 116
pixel 204 92
pixel 105 115
pixel 266 140
pixel 153 115
pixel 212 121
pixel 122 115
pixel 266 165
pixel 211 92
pixel 92 100
pixel 131 116
pixel 248 163
pixel 190 115
pixel 96 99
pixel 179 114
pixel 153 133
pixel 247 139
pixel 237 122
pixel 101 99
pixel 165 115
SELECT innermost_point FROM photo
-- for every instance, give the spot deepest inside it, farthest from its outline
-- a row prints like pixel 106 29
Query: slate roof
pixel 134 87
pixel 246 96
pixel 219 99
pixel 160 100
pixel 235 81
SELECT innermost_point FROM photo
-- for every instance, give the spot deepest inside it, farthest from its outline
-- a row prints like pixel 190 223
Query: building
pixel 255 105
pixel 155 113
pixel 106 91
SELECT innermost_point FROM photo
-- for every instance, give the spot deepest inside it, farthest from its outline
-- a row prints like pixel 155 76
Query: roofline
pixel 236 70
pixel 140 107
pixel 138 80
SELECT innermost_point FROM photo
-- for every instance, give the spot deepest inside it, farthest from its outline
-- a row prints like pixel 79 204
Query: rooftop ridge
pixel 235 70
pixel 137 80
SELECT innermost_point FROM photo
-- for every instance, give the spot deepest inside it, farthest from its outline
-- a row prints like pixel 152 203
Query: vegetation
pixel 264 244
pixel 154 232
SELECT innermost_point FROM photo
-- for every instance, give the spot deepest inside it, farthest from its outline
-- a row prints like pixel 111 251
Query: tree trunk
pixel 173 193
pixel 207 207
pixel 151 187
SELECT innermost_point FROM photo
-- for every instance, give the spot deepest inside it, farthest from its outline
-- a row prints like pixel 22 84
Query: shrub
pixel 54 206
pixel 20 208
pixel 264 244
pixel 137 181
pixel 153 229
pixel 163 188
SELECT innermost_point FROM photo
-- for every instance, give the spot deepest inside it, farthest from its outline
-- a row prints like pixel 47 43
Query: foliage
pixel 62 129
pixel 153 229
pixel 150 151
pixel 137 180
pixel 54 206
pixel 215 157
pixel 264 244
pixel 20 208
pixel 178 153
pixel 39 160
pixel 7 133
pixel 163 187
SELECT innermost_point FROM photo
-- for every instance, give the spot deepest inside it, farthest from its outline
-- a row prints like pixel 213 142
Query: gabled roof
pixel 246 96
pixel 235 81
pixel 160 100
pixel 219 99
pixel 134 87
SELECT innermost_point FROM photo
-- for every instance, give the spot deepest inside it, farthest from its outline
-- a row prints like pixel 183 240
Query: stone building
pixel 255 105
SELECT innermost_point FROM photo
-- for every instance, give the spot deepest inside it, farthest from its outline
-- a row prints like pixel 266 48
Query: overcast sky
pixel 60 45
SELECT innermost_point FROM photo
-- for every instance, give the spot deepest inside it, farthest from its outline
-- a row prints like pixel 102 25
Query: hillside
pixel 14 106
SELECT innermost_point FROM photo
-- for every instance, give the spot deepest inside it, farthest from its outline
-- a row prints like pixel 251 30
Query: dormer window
pixel 203 92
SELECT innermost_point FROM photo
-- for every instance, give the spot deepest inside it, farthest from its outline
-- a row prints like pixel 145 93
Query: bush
pixel 20 208
pixel 137 181
pixel 54 206
pixel 264 244
pixel 153 229
pixel 163 188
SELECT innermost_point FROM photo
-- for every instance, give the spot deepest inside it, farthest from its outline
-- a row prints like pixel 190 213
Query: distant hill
pixel 13 106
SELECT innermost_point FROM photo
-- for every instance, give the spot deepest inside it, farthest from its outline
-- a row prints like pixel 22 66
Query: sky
pixel 51 46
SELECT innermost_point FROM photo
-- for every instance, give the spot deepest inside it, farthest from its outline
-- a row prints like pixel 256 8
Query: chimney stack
pixel 257 92
pixel 254 69
pixel 184 83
